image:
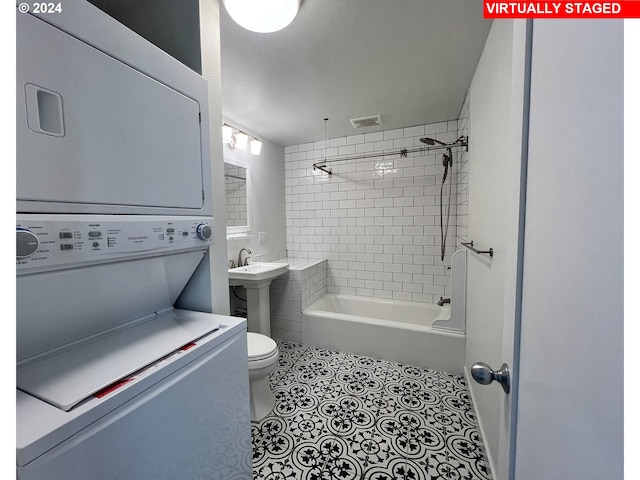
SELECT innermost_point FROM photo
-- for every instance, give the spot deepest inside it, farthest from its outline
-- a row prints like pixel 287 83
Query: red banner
pixel 561 9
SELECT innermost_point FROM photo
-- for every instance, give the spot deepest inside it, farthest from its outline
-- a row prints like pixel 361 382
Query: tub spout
pixel 442 301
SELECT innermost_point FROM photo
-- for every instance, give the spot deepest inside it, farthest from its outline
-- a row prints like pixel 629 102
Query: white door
pixel 570 375
pixel 549 303
pixel 497 115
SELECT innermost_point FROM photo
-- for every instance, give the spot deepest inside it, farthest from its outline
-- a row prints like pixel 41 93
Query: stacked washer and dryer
pixel 118 375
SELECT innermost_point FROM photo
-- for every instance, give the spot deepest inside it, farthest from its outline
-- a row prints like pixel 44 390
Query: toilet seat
pixel 260 347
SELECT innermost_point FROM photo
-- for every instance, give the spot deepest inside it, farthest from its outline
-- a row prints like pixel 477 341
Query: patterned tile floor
pixel 349 417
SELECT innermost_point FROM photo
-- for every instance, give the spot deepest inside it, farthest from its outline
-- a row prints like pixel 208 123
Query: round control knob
pixel 26 243
pixel 203 231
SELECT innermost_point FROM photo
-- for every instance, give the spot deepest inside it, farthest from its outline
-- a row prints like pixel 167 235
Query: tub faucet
pixel 442 301
pixel 246 260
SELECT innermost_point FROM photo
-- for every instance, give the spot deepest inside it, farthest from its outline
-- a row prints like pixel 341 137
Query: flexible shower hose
pixel 444 230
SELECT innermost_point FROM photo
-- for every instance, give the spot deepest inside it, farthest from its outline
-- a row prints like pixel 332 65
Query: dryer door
pixel 95 135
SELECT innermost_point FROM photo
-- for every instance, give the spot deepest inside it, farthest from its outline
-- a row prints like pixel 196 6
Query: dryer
pixel 106 122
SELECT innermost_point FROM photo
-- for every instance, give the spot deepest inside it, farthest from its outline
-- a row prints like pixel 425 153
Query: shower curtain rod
pixel 403 153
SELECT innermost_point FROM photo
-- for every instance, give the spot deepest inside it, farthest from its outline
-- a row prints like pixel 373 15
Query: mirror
pixel 236 195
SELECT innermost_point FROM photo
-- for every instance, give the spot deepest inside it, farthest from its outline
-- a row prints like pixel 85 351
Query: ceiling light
pixel 262 16
pixel 241 140
pixel 227 132
pixel 255 146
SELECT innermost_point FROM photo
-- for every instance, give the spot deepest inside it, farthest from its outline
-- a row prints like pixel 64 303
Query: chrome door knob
pixel 484 375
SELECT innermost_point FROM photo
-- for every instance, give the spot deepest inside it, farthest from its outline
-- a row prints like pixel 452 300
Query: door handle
pixel 484 375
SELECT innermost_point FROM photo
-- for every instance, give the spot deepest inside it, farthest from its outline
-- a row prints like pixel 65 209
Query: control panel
pixel 45 241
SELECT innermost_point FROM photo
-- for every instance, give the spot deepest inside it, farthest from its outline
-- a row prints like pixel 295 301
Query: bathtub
pixel 391 330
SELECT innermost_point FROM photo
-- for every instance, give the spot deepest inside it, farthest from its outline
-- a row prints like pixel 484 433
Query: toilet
pixel 263 357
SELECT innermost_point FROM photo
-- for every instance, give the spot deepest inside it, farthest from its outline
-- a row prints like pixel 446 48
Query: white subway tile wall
pixel 462 172
pixel 375 220
pixel 291 293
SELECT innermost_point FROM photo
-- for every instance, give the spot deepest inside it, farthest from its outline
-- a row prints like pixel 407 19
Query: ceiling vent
pixel 366 121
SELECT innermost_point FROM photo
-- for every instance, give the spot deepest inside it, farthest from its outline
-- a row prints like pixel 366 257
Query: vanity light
pixel 241 140
pixel 262 16
pixel 236 138
pixel 227 133
pixel 255 146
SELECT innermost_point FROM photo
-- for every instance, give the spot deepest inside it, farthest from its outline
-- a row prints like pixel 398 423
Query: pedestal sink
pixel 256 278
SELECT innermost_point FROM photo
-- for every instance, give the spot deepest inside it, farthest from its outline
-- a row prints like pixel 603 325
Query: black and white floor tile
pixel 347 417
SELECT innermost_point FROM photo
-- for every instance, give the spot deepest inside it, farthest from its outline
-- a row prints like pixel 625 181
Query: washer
pixel 113 382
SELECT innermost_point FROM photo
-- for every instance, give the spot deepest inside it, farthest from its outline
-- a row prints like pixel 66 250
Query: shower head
pixel 446 161
pixel 432 141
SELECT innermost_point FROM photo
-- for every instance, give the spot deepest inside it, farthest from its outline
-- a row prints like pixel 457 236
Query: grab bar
pixel 469 245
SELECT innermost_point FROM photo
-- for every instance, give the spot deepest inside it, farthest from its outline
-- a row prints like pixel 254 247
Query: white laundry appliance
pixel 118 376
pixel 113 382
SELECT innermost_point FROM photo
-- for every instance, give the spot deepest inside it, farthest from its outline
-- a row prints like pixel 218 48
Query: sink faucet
pixel 240 262
pixel 442 301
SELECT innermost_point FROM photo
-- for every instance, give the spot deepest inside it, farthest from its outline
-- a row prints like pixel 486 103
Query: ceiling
pixel 410 61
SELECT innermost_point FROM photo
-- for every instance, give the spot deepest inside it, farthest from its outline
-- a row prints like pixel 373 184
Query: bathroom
pixel 366 234
pixel 371 228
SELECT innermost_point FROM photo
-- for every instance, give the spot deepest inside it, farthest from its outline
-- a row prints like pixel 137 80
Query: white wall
pixel 461 172
pixel 218 282
pixel 570 412
pixel 266 200
pixel 376 220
